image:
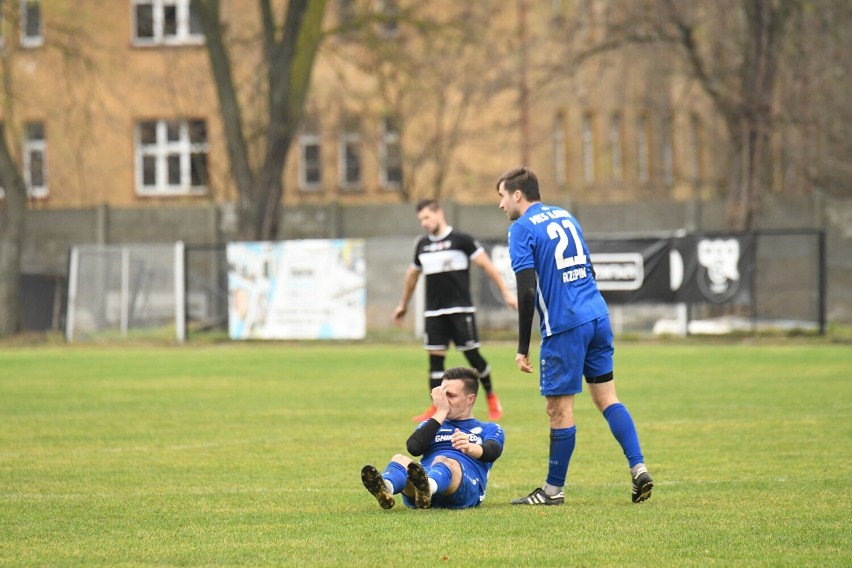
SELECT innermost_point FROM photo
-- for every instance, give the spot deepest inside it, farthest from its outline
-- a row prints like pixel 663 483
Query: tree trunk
pixel 11 237
pixel 289 54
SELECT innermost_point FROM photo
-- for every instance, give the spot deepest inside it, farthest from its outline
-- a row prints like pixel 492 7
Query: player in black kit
pixel 444 256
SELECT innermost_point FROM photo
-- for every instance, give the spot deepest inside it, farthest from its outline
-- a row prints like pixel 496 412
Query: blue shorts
pixel 471 493
pixel 566 357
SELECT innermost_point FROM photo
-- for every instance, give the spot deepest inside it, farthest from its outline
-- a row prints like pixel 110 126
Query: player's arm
pixel 483 261
pixel 422 437
pixel 408 285
pixel 488 451
pixel 526 311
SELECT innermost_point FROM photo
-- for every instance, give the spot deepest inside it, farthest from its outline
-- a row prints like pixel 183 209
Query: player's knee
pixel 401 459
pixel 454 466
pixel 600 379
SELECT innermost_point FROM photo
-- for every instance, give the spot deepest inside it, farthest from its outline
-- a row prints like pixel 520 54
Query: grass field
pixel 250 455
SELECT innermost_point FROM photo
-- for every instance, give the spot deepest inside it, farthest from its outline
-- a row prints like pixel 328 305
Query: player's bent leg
pixel 447 474
pixel 420 481
pixel 375 484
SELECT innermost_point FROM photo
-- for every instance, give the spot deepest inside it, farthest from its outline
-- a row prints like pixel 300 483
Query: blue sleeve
pixel 520 247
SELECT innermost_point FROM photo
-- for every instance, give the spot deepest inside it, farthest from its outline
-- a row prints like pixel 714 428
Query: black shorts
pixel 458 328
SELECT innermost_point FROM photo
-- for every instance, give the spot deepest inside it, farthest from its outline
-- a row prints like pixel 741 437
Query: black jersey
pixel 445 261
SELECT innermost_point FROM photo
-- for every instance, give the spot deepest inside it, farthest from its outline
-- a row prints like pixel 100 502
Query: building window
pixel 695 165
pixel 643 156
pixel 588 141
pixel 171 157
pixel 310 157
pixel 615 154
pixel 35 159
pixel 559 148
pixel 390 154
pixel 350 156
pixel 170 22
pixel 388 11
pixel 668 152
pixel 31 26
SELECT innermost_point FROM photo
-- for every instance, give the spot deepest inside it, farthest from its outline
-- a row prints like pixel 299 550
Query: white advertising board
pixel 306 289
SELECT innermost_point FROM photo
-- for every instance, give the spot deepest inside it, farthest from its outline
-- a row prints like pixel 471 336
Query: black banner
pixel 696 268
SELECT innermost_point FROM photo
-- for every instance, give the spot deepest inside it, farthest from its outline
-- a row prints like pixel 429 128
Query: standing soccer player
pixel 551 263
pixel 444 256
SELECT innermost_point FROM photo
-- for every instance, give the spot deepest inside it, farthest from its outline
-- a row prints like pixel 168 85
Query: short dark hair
pixel 430 203
pixel 521 178
pixel 469 376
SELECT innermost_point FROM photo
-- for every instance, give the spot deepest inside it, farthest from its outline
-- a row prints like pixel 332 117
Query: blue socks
pixel 562 442
pixel 622 427
pixel 397 475
pixel 442 476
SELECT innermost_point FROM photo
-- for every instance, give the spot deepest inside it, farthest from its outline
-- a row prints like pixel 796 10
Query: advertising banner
pixel 306 289
pixel 696 268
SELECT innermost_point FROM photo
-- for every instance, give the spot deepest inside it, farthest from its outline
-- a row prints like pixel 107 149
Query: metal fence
pixel 179 291
pixel 124 290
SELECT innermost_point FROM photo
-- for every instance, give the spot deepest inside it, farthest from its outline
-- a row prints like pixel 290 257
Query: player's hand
pixel 460 441
pixel 399 313
pixel 511 301
pixel 439 399
pixel 523 363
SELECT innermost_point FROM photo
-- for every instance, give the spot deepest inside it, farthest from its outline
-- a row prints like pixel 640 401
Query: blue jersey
pixel 549 239
pixel 478 432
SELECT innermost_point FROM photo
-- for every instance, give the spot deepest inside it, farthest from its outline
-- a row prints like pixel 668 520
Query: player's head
pixel 431 216
pixel 514 185
pixel 468 375
pixel 462 386
pixel 523 179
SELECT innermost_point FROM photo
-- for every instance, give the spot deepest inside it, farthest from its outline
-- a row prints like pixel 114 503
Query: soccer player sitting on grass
pixel 458 451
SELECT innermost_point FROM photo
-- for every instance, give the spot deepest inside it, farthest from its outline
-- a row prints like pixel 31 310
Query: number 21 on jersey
pixel 556 230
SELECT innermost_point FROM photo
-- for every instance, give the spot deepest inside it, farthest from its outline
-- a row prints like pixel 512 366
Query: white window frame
pixel 588 141
pixel 348 140
pixel 389 138
pixel 161 150
pixel 309 140
pixel 26 39
pixel 31 148
pixel 183 35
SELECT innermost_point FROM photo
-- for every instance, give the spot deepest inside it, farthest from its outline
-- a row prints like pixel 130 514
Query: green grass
pixel 250 454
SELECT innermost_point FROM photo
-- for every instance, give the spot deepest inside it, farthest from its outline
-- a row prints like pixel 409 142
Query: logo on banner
pixel 619 271
pixel 719 277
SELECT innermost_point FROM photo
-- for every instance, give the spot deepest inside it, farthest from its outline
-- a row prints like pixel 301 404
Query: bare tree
pixel 736 59
pixel 12 216
pixel 734 50
pixel 437 68
pixel 68 41
pixel 289 49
